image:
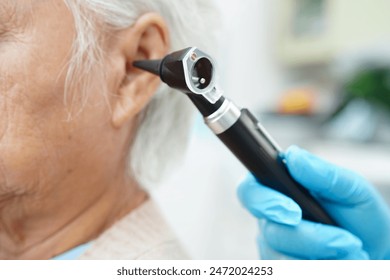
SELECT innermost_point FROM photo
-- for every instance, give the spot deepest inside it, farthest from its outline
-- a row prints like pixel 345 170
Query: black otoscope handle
pixel 252 147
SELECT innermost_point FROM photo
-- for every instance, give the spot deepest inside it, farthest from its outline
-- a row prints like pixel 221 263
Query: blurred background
pixel 317 74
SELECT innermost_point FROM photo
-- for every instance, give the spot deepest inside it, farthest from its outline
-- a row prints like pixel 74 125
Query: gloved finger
pixel 313 241
pixel 268 253
pixel 326 180
pixel 263 202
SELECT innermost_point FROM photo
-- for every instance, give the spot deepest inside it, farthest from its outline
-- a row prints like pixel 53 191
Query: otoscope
pixel 193 72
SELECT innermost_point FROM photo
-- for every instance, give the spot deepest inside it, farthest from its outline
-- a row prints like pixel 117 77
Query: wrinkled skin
pixel 64 181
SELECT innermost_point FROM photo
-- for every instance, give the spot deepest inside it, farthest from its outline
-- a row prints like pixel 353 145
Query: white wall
pixel 249 72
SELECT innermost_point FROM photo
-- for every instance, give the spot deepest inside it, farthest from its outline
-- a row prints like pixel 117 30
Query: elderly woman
pixel 83 133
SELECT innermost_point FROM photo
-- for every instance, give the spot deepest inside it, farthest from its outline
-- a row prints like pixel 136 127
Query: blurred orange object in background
pixel 297 101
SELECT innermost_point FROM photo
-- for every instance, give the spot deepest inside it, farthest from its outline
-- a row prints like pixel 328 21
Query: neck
pixel 41 226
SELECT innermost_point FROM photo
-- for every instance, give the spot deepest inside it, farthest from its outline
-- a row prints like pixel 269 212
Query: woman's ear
pixel 147 38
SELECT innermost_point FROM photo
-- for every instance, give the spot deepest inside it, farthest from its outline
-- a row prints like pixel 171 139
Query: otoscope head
pixel 190 70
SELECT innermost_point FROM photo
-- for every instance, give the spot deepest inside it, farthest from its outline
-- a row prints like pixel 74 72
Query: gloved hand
pixel 353 203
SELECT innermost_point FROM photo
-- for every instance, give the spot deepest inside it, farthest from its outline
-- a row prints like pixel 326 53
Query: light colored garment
pixel 141 235
pixel 73 254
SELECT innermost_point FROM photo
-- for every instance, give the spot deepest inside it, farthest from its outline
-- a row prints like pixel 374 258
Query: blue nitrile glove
pixel 353 203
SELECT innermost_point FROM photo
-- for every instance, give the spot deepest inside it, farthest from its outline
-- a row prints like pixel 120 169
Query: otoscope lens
pixel 202 73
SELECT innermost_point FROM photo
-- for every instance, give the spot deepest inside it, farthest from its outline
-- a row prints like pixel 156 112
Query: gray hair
pixel 163 128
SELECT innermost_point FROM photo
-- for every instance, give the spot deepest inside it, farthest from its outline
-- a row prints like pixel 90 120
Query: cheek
pixel 29 107
pixel 33 130
pixel 24 150
pixel 39 148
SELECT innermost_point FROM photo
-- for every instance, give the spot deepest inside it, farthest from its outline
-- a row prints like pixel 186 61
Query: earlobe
pixel 133 98
pixel 146 39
